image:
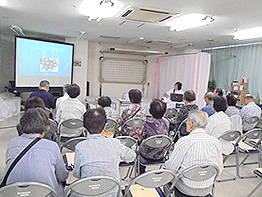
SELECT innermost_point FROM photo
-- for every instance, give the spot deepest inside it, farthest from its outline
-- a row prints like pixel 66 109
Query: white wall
pixel 115 89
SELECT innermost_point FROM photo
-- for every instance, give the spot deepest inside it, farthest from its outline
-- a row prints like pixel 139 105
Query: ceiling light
pixel 17 30
pixel 97 9
pixel 248 33
pixel 189 21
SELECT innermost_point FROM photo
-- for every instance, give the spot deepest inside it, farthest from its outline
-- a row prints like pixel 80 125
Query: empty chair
pixel 232 136
pixel 156 144
pixel 152 179
pixel 32 189
pixel 93 186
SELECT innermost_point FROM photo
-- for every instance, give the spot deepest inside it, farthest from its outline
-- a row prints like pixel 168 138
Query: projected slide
pixel 37 60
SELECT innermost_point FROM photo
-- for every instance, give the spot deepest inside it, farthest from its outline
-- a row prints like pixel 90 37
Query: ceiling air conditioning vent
pixel 145 15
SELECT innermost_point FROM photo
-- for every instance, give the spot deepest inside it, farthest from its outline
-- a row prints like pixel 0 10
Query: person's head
pixel 231 100
pixel 135 96
pixel 178 85
pixel 219 104
pixel 104 101
pixel 34 102
pixel 189 96
pixel 65 88
pixel 248 98
pixel 196 119
pixel 34 120
pixel 218 92
pixel 157 108
pixel 208 97
pixel 95 120
pixel 73 90
pixel 44 85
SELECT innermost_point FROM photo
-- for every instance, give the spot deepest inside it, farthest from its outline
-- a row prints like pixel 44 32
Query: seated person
pixel 100 155
pixel 43 93
pixel 209 100
pixel 196 148
pixel 154 126
pixel 71 108
pixel 189 98
pixel 176 90
pixel 43 162
pixel 135 110
pixel 219 123
pixel 62 98
pixel 218 92
pixel 34 102
pixel 251 109
pixel 231 109
pixel 105 102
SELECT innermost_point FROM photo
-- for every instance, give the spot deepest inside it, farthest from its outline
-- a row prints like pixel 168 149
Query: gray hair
pixel 198 118
pixel 209 96
pixel 248 97
pixel 44 83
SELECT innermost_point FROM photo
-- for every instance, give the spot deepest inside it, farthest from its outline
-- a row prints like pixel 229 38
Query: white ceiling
pixel 60 17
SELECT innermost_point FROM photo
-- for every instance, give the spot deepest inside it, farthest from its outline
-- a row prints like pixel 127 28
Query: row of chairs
pixel 98 185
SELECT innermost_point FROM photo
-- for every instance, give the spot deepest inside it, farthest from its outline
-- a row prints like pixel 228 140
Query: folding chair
pixel 93 186
pixel 170 113
pixel 134 124
pixel 179 128
pixel 130 142
pixel 33 189
pixel 157 142
pixel 253 120
pixel 232 136
pixel 71 144
pixel 259 174
pixel 198 173
pixel 52 133
pixel 70 128
pixel 49 113
pixel 152 179
pixel 111 126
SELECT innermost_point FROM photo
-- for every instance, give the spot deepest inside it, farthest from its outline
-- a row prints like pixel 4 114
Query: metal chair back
pixel 170 113
pixel 71 144
pixel 27 189
pixel 111 126
pixel 179 127
pixel 127 141
pixel 157 141
pixel 231 136
pixel 152 179
pixel 93 186
pixel 135 123
pixel 252 120
pixel 253 134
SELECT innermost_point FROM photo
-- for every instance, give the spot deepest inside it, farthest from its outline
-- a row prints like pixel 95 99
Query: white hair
pixel 198 118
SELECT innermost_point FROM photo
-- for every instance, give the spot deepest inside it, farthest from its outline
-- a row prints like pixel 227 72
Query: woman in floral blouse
pixel 135 110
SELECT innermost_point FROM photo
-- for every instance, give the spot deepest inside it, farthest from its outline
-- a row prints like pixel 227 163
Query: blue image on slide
pixel 40 58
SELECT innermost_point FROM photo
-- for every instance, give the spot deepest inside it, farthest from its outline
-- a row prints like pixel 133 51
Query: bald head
pixel 209 96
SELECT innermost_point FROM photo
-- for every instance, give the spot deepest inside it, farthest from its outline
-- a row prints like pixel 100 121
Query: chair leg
pixel 255 189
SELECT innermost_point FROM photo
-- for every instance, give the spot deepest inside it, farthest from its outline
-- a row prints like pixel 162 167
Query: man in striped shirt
pixel 196 148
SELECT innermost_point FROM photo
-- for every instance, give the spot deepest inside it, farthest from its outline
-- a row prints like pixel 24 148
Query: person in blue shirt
pixel 209 100
pixel 43 93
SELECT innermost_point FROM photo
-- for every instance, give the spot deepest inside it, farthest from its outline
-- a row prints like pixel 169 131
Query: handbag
pixel 3 183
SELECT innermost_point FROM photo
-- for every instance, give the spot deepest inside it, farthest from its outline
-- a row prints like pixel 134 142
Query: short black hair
pixel 157 108
pixel 220 103
pixel 219 91
pixel 135 96
pixel 231 100
pixel 104 101
pixel 34 102
pixel 189 95
pixel 73 90
pixel 209 96
pixel 34 120
pixel 179 85
pixel 95 120
pixel 44 83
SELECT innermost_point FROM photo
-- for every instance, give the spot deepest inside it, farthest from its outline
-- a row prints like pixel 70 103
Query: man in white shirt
pixel 196 148
pixel 177 90
pixel 71 108
pixel 251 109
pixel 219 123
pixel 63 98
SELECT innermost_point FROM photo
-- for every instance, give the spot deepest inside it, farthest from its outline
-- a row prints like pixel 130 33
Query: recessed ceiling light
pixel 189 21
pixel 248 34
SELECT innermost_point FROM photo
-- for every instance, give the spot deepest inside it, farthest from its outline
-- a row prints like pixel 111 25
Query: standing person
pixel 196 148
pixel 100 155
pixel 231 109
pixel 64 97
pixel 43 93
pixel 43 162
pixel 251 109
pixel 105 102
pixel 176 90
pixel 209 100
pixel 135 110
pixel 71 108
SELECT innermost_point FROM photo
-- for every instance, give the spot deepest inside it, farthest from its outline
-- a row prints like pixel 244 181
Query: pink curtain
pixel 191 70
